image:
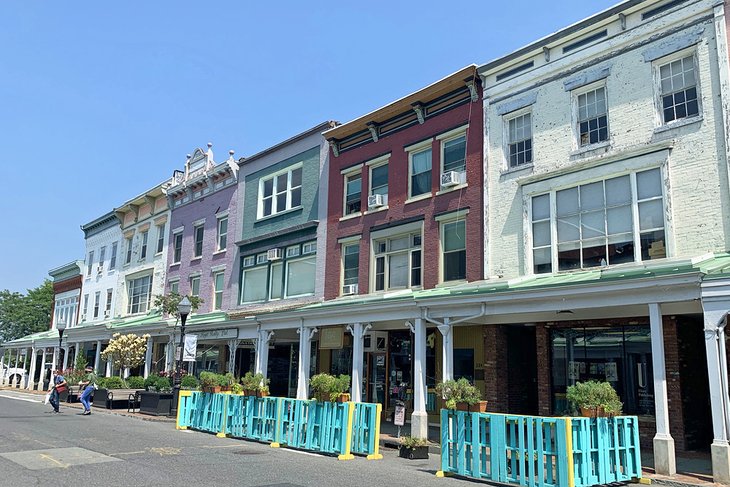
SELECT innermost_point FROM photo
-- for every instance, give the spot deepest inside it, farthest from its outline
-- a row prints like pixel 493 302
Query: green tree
pixel 21 315
pixel 168 303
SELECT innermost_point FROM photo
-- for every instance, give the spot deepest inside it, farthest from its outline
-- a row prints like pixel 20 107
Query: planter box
pixel 155 403
pixel 417 453
pixel 101 398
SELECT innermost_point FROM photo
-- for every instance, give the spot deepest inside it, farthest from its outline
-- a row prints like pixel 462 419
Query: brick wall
pixel 496 371
pixel 542 343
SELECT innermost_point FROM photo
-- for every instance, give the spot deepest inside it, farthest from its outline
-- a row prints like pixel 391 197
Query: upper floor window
pixel 175 287
pixel 519 140
pixel 379 180
pixel 350 267
pixel 195 286
pixel 86 306
pixel 108 307
pixel 592 116
pixel 419 168
pixel 160 238
pixel 280 192
pixel 113 258
pixel 600 223
pixel 453 248
pixel 453 154
pixel 128 259
pixel 198 233
pixel 143 249
pixel 139 291
pixel 97 298
pixel 353 193
pixel 102 256
pixel 678 84
pixel 90 263
pixel 276 275
pixel 398 262
pixel 218 281
pixel 177 240
pixel 222 233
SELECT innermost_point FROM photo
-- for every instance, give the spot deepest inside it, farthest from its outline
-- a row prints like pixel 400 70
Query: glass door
pixel 377 374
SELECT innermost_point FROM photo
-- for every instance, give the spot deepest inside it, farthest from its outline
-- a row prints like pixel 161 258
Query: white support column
pixel 262 351
pixel 447 351
pixel 54 362
pixel 31 372
pixel 358 331
pixel 97 357
pixel 42 375
pixel 19 377
pixel 305 355
pixel 148 357
pixel 419 417
pixel 664 458
pixel 2 366
pixel 232 347
pixel 109 369
pixel 78 348
pixel 66 351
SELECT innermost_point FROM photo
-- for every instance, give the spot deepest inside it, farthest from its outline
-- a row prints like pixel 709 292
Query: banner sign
pixel 191 348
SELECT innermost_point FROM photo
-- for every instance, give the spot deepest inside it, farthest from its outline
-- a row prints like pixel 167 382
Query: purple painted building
pixel 203 217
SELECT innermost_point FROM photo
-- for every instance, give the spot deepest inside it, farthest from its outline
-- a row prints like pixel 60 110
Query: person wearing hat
pixel 87 389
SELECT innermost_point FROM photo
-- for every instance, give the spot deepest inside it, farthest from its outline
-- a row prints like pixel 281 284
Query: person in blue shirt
pixel 59 385
pixel 87 386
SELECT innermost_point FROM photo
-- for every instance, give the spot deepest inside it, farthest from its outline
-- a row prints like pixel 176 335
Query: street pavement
pixel 40 448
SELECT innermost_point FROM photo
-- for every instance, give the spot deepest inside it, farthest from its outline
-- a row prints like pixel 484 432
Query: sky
pixel 100 101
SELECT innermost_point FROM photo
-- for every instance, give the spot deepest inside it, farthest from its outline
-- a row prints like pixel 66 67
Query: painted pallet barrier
pixel 539 451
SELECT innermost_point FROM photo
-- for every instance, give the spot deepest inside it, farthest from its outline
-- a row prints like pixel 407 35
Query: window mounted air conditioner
pixel 273 254
pixel 349 289
pixel 376 201
pixel 450 178
pixel 100 269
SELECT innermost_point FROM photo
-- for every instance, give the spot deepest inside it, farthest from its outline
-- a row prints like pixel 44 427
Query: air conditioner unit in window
pixel 450 178
pixel 349 289
pixel 106 315
pixel 100 269
pixel 273 254
pixel 376 200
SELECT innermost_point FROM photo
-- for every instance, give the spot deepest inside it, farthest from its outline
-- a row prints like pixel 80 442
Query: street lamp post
pixel 60 326
pixel 183 310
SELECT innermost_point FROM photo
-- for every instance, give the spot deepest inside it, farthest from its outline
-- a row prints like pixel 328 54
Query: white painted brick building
pixel 103 238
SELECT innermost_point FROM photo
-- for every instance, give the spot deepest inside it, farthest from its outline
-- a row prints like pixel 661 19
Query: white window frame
pixel 109 299
pixel 442 260
pixel 507 118
pixel 160 238
pixel 113 258
pixel 90 263
pixel 128 256
pixel 375 254
pixel 221 235
pixel 352 172
pixel 143 307
pixel 216 291
pixel 275 190
pixel 343 254
pixel 174 285
pixel 260 261
pixel 193 280
pixel 97 298
pixel 575 94
pixel 144 238
pixel 102 256
pixel 177 259
pixel 377 164
pixel 86 306
pixel 413 150
pixel 197 255
pixel 285 270
pixel 450 136
pixel 658 94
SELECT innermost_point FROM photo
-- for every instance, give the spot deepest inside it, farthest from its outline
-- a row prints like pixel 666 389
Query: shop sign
pixel 218 334
pixel 191 348
pixel 331 337
pixel 400 416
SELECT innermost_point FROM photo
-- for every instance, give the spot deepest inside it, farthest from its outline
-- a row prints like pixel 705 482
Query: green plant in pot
pixel 340 391
pixel 189 382
pixel 462 395
pixel 593 398
pixel 413 448
pixel 209 382
pixel 255 384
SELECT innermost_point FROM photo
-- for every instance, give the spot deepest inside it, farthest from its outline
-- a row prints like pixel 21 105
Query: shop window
pixel 464 364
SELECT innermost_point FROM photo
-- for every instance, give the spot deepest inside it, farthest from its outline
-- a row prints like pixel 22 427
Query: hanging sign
pixel 400 416
pixel 191 348
pixel 331 337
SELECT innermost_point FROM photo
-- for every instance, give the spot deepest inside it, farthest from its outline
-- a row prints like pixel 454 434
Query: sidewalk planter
pixel 101 398
pixel 540 451
pixel 416 453
pixel 155 403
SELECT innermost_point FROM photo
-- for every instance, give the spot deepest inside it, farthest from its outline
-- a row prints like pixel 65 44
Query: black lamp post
pixel 60 326
pixel 183 310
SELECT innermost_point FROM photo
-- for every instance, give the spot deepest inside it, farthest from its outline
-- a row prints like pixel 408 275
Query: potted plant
pixel 225 381
pixel 255 384
pixel 237 388
pixel 321 385
pixel 189 382
pixel 413 448
pixel 462 395
pixel 135 382
pixel 340 389
pixel 157 400
pixel 594 398
pixel 209 382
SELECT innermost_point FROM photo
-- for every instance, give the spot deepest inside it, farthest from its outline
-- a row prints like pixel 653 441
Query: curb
pixel 394 443
pixel 673 483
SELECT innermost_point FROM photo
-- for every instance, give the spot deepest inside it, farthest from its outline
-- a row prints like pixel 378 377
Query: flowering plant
pixel 126 351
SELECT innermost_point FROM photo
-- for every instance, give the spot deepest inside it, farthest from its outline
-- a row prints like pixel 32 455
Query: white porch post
pixel 19 377
pixel 2 366
pixel 54 362
pixel 66 351
pixel 42 375
pixel 305 348
pixel 78 348
pixel 419 417
pixel 170 353
pixel 31 372
pixel 358 331
pixel 109 369
pixel 715 304
pixel 262 352
pixel 447 351
pixel 232 347
pixel 148 357
pixel 664 459
pixel 97 357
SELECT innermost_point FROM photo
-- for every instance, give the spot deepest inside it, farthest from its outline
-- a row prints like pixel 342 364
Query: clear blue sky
pixel 102 100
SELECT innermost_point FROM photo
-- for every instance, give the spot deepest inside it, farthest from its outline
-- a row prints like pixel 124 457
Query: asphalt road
pixel 67 449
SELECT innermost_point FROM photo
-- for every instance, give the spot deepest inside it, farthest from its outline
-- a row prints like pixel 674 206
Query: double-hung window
pixel 222 233
pixel 177 247
pixel 350 264
pixel 198 234
pixel 453 154
pixel 160 238
pixel 102 256
pixel 139 291
pixel 143 249
pixel 398 262
pixel 601 223
pixel 97 298
pixel 280 192
pixel 218 282
pixel 90 263
pixel 679 94
pixel 379 182
pixel 108 307
pixel 86 306
pixel 353 193
pixel 592 123
pixel 291 276
pixel 175 286
pixel 419 167
pixel 128 242
pixel 195 286
pixel 113 258
pixel 519 140
pixel 453 247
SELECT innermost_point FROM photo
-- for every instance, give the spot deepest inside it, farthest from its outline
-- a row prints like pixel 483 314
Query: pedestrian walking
pixel 59 385
pixel 88 385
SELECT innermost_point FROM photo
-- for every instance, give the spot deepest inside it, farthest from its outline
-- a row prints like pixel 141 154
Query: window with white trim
pixel 102 256
pixel 592 114
pixel 198 233
pixel 679 97
pixel 419 172
pixel 175 287
pixel 86 306
pixel 222 233
pixel 113 258
pixel 453 154
pixel 108 307
pixel 350 263
pixel 97 298
pixel 90 263
pixel 280 192
pixel 398 262
pixel 143 250
pixel 379 180
pixel 128 241
pixel 519 140
pixel 600 223
pixel 291 276
pixel 139 292
pixel 160 238
pixel 195 286
pixel 353 193
pixel 453 250
pixel 177 240
pixel 218 282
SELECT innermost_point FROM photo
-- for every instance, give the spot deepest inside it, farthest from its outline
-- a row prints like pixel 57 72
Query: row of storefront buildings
pixel 559 214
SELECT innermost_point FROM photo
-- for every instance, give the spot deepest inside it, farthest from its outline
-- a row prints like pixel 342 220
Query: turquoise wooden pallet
pixel 605 450
pixel 314 426
pixel 365 429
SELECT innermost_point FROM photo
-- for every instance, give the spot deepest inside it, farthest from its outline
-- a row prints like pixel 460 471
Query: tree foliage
pixel 168 303
pixel 23 314
pixel 126 351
